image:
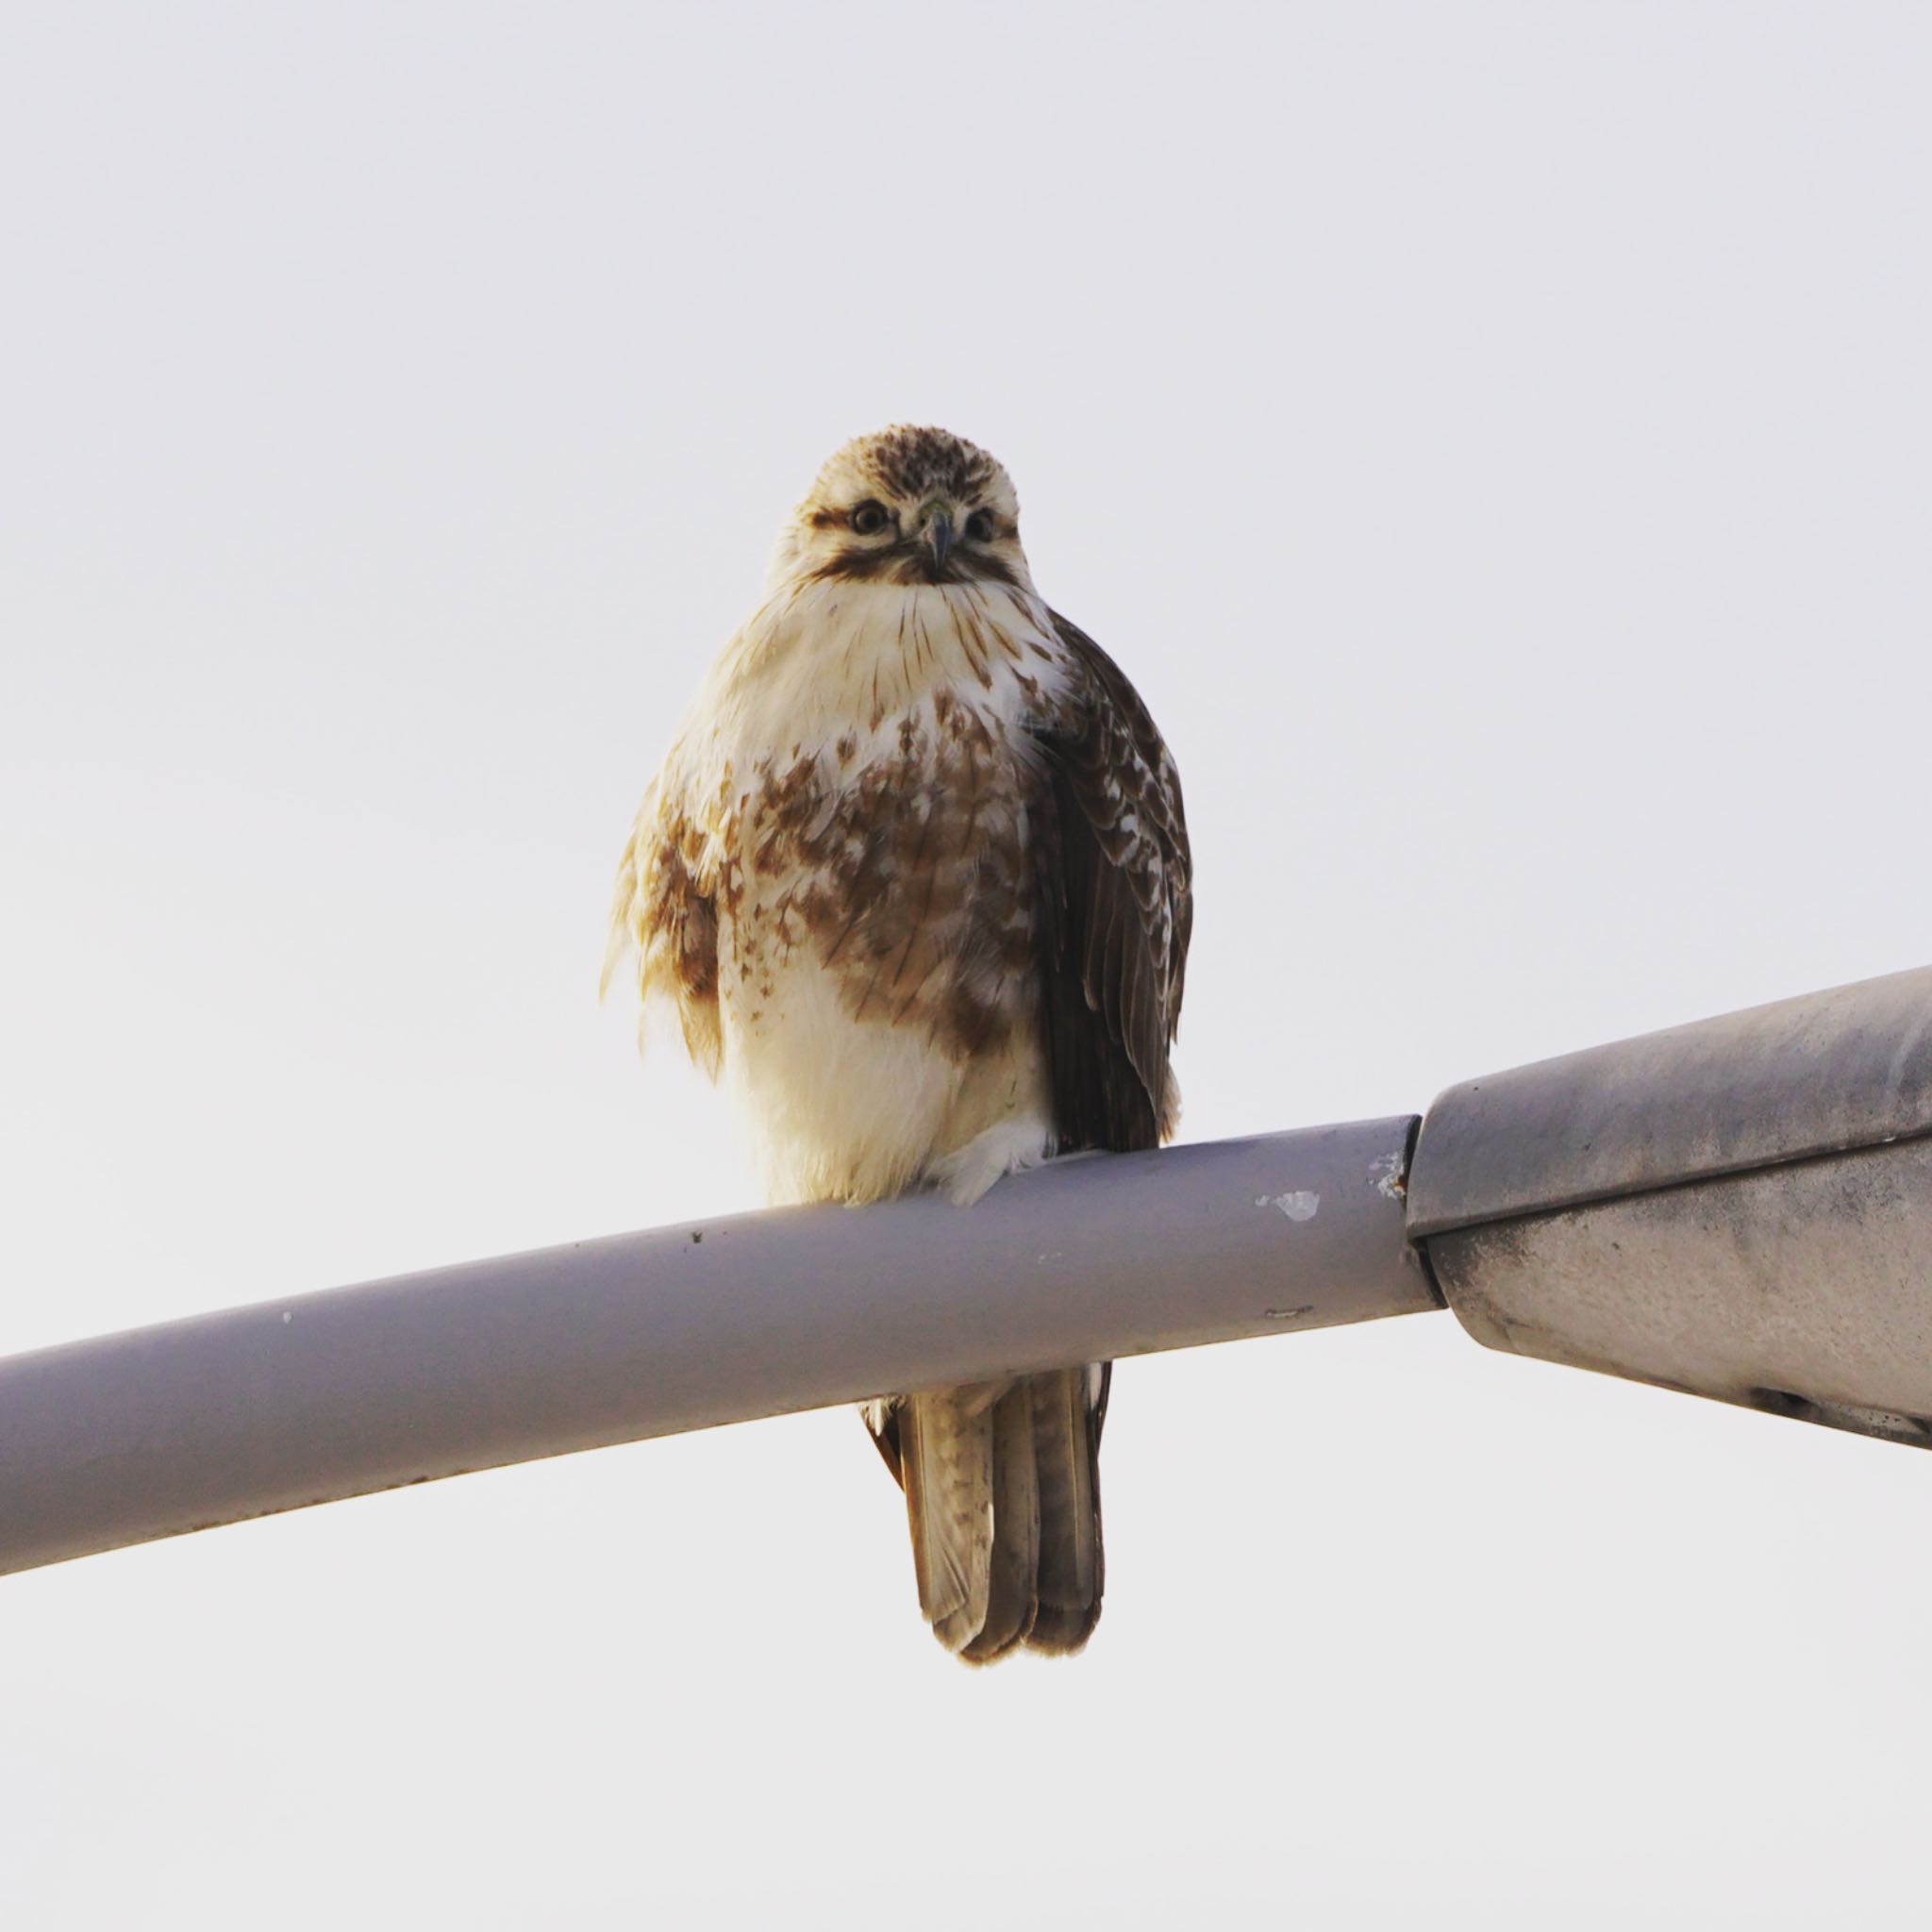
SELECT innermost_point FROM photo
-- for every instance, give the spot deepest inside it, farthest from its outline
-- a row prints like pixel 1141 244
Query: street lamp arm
pixel 315 1398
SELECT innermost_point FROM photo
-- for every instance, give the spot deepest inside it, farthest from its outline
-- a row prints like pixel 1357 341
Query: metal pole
pixel 310 1399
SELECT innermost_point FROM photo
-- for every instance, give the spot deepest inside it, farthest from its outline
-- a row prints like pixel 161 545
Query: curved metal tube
pixel 162 1430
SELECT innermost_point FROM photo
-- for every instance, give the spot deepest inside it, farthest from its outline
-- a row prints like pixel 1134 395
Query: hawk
pixel 915 877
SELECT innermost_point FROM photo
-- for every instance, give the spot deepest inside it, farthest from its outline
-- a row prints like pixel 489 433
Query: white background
pixel 1495 440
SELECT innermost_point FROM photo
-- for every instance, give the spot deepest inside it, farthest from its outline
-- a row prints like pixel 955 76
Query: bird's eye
pixel 979 526
pixel 869 518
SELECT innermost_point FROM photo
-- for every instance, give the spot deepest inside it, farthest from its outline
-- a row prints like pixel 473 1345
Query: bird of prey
pixel 915 877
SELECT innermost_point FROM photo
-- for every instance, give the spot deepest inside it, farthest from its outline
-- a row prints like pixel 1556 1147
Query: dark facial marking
pixel 910 563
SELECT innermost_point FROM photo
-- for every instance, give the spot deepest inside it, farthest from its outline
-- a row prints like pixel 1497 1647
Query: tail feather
pixel 945 1450
pixel 1012 1596
pixel 1003 1498
pixel 1066 1443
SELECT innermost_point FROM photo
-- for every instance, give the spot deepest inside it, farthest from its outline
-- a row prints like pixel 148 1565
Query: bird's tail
pixel 1001 1484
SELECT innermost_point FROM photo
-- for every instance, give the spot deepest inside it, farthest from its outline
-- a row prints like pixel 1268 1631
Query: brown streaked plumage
pixel 915 877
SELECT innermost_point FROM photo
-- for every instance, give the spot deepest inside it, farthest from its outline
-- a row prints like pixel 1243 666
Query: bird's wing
pixel 664 912
pixel 1115 908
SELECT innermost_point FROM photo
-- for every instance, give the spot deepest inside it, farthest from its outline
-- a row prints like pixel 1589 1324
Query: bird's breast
pixel 864 774
pixel 893 864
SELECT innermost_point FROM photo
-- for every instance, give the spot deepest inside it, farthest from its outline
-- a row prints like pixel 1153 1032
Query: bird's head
pixel 907 506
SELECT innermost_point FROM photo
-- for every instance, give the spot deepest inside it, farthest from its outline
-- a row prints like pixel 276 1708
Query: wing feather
pixel 1115 893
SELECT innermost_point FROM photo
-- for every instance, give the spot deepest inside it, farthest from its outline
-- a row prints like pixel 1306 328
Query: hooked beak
pixel 938 538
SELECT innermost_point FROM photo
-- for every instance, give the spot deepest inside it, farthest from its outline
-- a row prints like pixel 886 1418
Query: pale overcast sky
pixel 1495 441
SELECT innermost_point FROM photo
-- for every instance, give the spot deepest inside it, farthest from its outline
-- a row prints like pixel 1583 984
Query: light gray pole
pixel 320 1397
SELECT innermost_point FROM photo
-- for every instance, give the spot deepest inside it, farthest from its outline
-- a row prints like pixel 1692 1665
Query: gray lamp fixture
pixel 1739 1209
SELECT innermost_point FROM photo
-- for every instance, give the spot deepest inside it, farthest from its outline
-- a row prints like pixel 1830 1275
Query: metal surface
pixel 320 1397
pixel 1821 1074
pixel 1804 1288
pixel 1739 1209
